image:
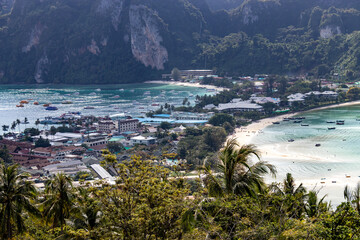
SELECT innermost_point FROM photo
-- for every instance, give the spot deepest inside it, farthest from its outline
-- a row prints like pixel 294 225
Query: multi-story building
pixel 106 126
pixel 128 125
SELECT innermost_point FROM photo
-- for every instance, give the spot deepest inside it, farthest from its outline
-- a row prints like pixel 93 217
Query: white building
pixel 296 97
pixel 192 116
pixel 263 100
pixel 240 106
pixel 142 140
pixel 68 168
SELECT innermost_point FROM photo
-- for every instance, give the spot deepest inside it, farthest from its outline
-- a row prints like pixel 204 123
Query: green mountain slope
pixel 123 41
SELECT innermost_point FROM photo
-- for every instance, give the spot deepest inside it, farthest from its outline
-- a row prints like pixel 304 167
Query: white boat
pixel 121 89
pixel 98 89
pixel 89 107
pixel 92 94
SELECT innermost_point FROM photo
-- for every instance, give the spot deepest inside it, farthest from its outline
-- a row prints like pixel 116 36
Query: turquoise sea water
pixel 133 99
pixel 327 168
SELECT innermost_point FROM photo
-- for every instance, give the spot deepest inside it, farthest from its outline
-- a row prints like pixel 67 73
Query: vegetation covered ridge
pixel 126 41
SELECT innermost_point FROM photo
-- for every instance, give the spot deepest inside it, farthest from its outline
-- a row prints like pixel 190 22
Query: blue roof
pixel 156 120
pixel 162 115
pixel 173 121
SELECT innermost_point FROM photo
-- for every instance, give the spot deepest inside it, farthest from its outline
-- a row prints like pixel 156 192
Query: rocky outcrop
pixel 113 8
pixel 41 67
pixel 329 31
pixel 145 37
pixel 34 38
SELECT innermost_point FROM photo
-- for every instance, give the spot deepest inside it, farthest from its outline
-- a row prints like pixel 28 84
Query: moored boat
pixel 36 103
pixel 46 104
pixel 305 125
pixel 331 128
pixel 291 140
pixel 66 102
pixel 20 105
pixel 276 122
pixel 317 145
pixel 24 102
pixel 89 107
pixel 51 108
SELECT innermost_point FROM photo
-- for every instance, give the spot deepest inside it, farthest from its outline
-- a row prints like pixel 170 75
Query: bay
pixel 132 99
pixel 327 168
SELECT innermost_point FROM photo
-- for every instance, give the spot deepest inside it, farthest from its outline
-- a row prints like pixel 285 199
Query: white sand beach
pixel 315 167
pixel 245 134
pixel 188 84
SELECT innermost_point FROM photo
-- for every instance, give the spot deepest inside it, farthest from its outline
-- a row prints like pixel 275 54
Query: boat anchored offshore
pixel 51 108
pixel 331 128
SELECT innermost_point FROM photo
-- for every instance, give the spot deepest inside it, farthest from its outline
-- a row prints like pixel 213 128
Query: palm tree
pixel 18 122
pixel 26 121
pixel 16 196
pixel 13 126
pixel 294 196
pixel 353 196
pixel 5 128
pixel 314 206
pixel 88 210
pixel 59 198
pixel 236 174
pixel 37 122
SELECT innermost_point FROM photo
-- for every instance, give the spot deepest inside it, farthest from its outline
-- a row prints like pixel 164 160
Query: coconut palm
pixel 88 210
pixel 18 122
pixel 314 206
pixel 13 126
pixel 16 198
pixel 58 202
pixel 294 196
pixel 236 173
pixel 353 196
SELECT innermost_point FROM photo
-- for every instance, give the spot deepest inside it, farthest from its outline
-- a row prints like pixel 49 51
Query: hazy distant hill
pixel 110 41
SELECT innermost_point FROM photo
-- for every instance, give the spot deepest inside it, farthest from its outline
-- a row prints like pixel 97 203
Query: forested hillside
pixel 123 41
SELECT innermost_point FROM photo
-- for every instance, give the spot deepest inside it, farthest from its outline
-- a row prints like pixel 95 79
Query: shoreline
pixel 245 134
pixel 188 84
pixel 315 169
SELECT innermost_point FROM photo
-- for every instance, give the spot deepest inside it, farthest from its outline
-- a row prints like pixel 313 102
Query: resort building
pixel 296 97
pixel 326 94
pixel 263 100
pixel 128 125
pixel 189 74
pixel 239 106
pixel 142 140
pixel 192 116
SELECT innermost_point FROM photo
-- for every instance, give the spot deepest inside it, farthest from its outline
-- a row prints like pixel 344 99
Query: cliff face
pixel 110 41
pixel 145 37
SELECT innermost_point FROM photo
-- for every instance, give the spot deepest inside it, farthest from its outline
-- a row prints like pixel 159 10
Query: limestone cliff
pixel 145 37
